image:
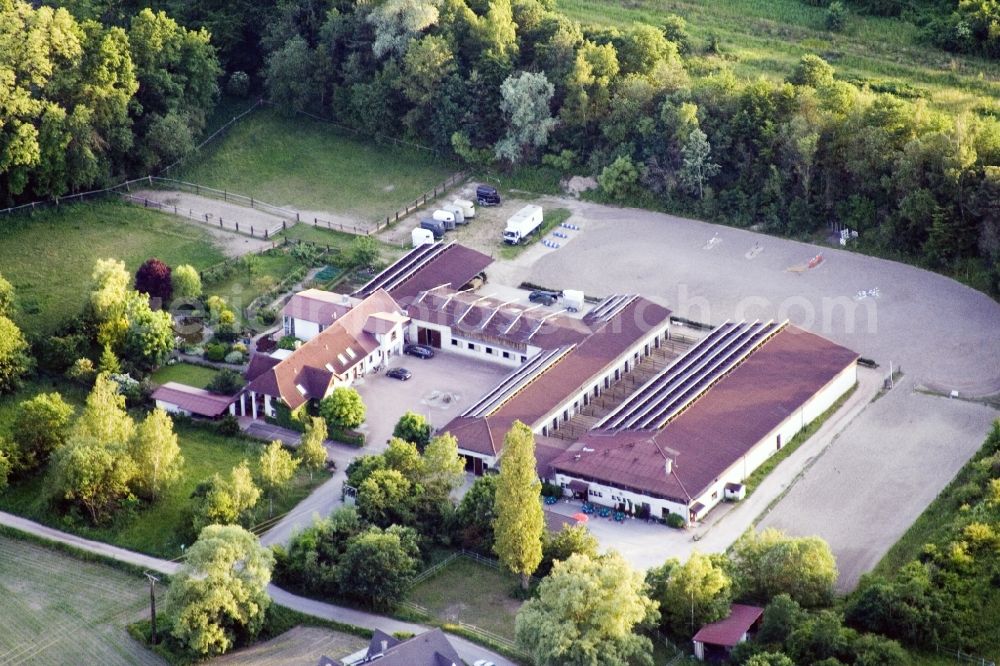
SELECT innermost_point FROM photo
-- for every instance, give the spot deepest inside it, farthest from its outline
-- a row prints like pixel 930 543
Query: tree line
pixel 85 103
pixel 513 83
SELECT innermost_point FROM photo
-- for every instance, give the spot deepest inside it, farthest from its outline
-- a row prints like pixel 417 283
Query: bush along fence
pixel 211 137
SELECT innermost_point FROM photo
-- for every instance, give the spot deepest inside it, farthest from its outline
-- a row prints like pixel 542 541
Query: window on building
pixel 524 359
pixel 392 336
pixel 489 350
pixel 454 342
pixel 472 346
pixel 715 495
pixel 506 354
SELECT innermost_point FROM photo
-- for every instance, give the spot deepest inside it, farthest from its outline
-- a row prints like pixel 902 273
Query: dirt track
pixel 193 209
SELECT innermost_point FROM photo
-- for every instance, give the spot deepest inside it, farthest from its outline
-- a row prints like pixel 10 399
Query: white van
pixel 468 208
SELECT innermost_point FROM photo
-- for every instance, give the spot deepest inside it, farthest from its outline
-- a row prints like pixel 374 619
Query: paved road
pixel 467 650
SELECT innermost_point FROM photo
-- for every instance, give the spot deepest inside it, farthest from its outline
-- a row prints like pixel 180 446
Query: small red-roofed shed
pixel 714 641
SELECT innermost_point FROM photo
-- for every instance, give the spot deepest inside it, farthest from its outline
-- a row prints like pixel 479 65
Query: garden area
pixel 311 165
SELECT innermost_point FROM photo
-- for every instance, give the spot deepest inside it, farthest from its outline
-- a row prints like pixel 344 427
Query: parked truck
pixel 522 224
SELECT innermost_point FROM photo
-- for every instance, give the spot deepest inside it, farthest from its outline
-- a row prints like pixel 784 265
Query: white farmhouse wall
pixel 607 495
pixel 171 408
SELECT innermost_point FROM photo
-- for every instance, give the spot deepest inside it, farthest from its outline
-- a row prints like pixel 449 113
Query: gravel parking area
pixel 886 466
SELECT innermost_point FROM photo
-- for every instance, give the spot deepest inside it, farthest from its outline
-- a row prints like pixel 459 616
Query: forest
pixel 514 85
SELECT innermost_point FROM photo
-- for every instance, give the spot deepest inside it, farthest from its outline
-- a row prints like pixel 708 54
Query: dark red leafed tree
pixel 153 278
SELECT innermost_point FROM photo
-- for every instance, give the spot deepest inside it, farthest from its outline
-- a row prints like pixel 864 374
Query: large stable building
pixel 628 410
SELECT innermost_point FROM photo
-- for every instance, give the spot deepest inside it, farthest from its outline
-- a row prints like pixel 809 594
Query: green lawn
pixel 56 608
pixel 311 165
pixel 159 529
pixel 185 373
pixel 50 255
pixel 767 38
pixel 470 592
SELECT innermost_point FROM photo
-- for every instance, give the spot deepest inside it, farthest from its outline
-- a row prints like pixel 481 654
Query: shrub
pixel 343 408
pixel 228 426
pixel 288 342
pixel 227 382
pixel 267 316
pixel 551 490
pixel 836 16
pixel 238 84
pixel 234 357
pixel 215 351
pixel 676 521
pixel 225 332
pixel 619 179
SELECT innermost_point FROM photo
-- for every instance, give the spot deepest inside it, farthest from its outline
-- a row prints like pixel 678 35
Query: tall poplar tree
pixel 519 523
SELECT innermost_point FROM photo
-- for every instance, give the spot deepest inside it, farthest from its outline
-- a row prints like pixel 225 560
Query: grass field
pixel 50 255
pixel 470 592
pixel 767 38
pixel 58 609
pixel 310 165
pixel 159 529
pixel 185 373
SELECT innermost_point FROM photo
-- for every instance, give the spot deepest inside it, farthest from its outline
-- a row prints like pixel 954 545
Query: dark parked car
pixel 420 351
pixel 487 196
pixel 402 374
pixel 544 297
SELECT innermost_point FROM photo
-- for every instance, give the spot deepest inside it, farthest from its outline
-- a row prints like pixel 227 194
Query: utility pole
pixel 153 580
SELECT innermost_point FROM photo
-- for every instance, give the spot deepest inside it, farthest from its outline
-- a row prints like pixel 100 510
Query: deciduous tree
pixel 697 167
pixel 220 592
pixel 185 282
pixel 587 613
pixel 570 540
pixel 443 469
pixel 6 297
pixel 40 426
pixel 311 451
pixel 519 519
pixel 524 100
pixel 153 279
pixel 104 417
pixel 377 566
pixel 386 497
pixel 414 428
pixel 343 408
pixel 157 455
pixel 93 474
pixel 476 514
pixel 365 252
pixel 275 468
pixel 694 593
pixel 769 563
pixel 15 362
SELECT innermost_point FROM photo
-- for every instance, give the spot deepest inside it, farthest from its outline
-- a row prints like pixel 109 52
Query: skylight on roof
pixel 301 389
pixel 329 367
pixel 350 352
pixel 340 357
